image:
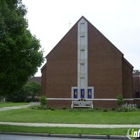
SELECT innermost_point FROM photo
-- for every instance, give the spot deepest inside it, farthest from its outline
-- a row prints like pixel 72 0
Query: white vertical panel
pixel 82 69
pixel 82 77
pixel 82 40
pixel 82 62
pixel 82 27
pixel 82 82
pixel 82 54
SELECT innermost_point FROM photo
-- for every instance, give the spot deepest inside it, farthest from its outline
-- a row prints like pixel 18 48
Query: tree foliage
pixel 32 89
pixel 26 93
pixel 20 53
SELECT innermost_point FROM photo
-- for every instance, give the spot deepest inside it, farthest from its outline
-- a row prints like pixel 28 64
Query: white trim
pixel 95 99
pixel 129 99
pixel 136 76
pixel 60 99
pixel 136 98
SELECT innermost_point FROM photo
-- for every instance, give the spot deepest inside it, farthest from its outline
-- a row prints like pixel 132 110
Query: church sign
pixel 82 97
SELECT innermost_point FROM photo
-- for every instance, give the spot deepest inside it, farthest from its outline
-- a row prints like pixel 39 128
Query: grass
pixel 70 116
pixel 64 130
pixel 12 104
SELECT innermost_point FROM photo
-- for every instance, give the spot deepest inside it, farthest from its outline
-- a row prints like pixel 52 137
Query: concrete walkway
pixel 14 107
pixel 72 125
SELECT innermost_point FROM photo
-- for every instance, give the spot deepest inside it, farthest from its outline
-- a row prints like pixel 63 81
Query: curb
pixel 68 135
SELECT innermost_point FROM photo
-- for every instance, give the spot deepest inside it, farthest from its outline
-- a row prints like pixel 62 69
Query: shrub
pixel 35 107
pixel 120 99
pixel 43 101
pixel 42 105
pixel 96 108
pixel 105 110
pixel 90 109
pixel 138 106
pixel 113 109
pixel 64 108
pixel 127 109
pixel 52 108
pixel 49 107
pixel 38 107
pixel 132 109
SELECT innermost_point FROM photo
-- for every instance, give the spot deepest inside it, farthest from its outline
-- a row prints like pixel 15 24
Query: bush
pixel 35 107
pixel 43 101
pixel 42 105
pixel 138 106
pixel 52 108
pixel 120 99
pixel 105 110
pixel 96 108
pixel 64 108
pixel 113 109
pixel 127 109
pixel 49 108
pixel 38 107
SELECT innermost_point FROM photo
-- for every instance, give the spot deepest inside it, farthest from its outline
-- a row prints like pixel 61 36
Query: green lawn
pixel 12 104
pixel 64 130
pixel 69 116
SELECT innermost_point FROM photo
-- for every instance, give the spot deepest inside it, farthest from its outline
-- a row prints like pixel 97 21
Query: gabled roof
pixel 64 36
pixel 72 28
pixel 128 63
pixel 98 31
pixel 43 67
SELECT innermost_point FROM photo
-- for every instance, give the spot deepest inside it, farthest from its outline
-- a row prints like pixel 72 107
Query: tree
pixel 26 93
pixel 20 53
pixel 32 89
pixel 18 96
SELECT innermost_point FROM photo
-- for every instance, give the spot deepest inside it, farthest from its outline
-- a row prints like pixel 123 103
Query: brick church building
pixel 86 70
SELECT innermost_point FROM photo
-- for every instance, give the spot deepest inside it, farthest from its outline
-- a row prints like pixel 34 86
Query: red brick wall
pixel 62 67
pixel 104 65
pixel 127 80
pixel 59 104
pixel 43 80
pixel 136 85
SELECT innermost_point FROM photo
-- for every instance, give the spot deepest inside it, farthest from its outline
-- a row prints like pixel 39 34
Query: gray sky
pixel 118 20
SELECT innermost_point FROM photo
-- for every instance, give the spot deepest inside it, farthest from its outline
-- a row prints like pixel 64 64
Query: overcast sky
pixel 118 20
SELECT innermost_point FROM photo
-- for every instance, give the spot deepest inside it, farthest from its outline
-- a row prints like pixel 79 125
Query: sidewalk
pixel 72 125
pixel 14 107
pixel 78 136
